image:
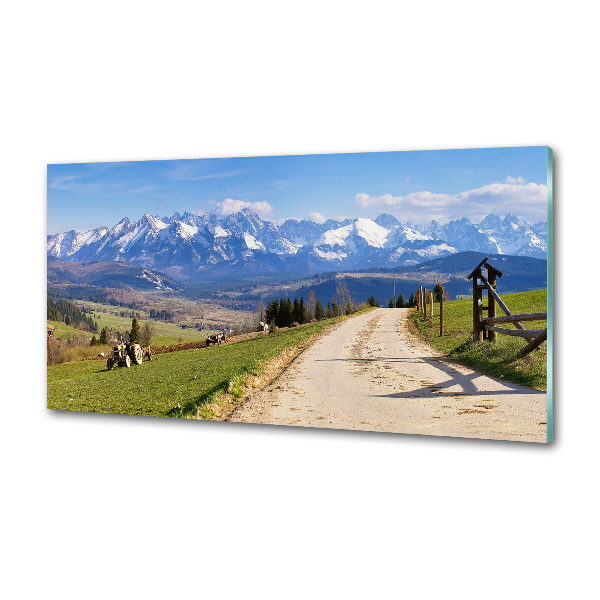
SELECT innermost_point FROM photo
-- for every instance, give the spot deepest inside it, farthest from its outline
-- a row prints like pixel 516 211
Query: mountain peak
pixel 492 220
pixel 154 222
pixel 189 243
pixel 386 220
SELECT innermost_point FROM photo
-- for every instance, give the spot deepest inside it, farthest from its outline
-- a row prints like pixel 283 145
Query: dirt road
pixel 370 373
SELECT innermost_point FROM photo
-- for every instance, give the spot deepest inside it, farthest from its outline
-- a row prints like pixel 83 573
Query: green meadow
pixel 501 358
pixel 176 384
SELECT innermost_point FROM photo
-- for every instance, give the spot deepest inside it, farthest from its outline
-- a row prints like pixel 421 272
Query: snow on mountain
pixel 541 230
pixel 252 243
pixel 513 236
pixel 404 234
pixel 388 221
pixel 186 231
pixel 302 233
pixel 464 234
pixel 154 222
pixel 157 281
pixel 434 230
pixel 365 230
pixel 330 255
pixel 375 235
pixel 218 231
pixel 64 245
pixel 189 244
pixel 335 237
pixel 411 256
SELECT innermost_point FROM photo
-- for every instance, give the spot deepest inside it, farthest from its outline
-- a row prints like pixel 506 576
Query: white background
pixel 122 507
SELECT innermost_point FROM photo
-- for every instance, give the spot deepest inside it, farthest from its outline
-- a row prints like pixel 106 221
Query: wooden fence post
pixel 492 336
pixel 477 302
pixel 431 308
pixel 442 313
pixel 419 299
pixel 424 304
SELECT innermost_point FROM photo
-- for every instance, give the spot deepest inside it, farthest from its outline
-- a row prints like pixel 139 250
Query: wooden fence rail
pixel 513 318
pixel 533 344
pixel 526 333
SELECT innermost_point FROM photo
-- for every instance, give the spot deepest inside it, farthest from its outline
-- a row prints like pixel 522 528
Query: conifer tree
pixel 304 316
pixel 134 334
pixel 391 303
pixel 104 336
pixel 296 315
pixel 319 314
pixel 400 302
pixel 272 312
pixel 285 315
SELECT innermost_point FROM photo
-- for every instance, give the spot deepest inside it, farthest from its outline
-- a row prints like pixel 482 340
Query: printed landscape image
pixel 400 292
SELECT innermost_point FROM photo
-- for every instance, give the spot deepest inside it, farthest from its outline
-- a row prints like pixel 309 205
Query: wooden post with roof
pixel 487 328
pixel 479 284
pixel 477 302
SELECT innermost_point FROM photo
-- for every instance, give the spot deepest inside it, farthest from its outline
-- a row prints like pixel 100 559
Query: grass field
pixel 66 332
pixel 187 312
pixel 171 385
pixel 164 333
pixel 496 359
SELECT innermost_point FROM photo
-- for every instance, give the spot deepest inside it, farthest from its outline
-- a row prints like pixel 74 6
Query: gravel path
pixel 370 373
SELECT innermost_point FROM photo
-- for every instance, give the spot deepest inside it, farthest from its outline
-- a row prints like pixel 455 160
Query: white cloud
pixel 229 205
pixel 317 217
pixel 527 200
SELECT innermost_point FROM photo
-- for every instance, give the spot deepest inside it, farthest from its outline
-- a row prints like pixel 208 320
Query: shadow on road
pixel 457 384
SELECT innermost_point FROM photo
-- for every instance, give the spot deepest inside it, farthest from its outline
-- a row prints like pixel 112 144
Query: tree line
pixel 70 314
pixel 412 301
pixel 161 315
pixel 401 303
pixel 138 333
pixel 285 311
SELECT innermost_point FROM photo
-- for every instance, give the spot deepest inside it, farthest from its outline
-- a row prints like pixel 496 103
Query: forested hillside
pixel 66 312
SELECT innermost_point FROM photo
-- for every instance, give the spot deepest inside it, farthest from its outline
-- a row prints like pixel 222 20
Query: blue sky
pixel 413 186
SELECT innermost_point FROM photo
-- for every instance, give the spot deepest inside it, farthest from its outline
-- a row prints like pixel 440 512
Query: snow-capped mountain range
pixel 188 245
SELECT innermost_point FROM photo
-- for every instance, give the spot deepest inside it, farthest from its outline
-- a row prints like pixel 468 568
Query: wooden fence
pixel 425 306
pixel 487 328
